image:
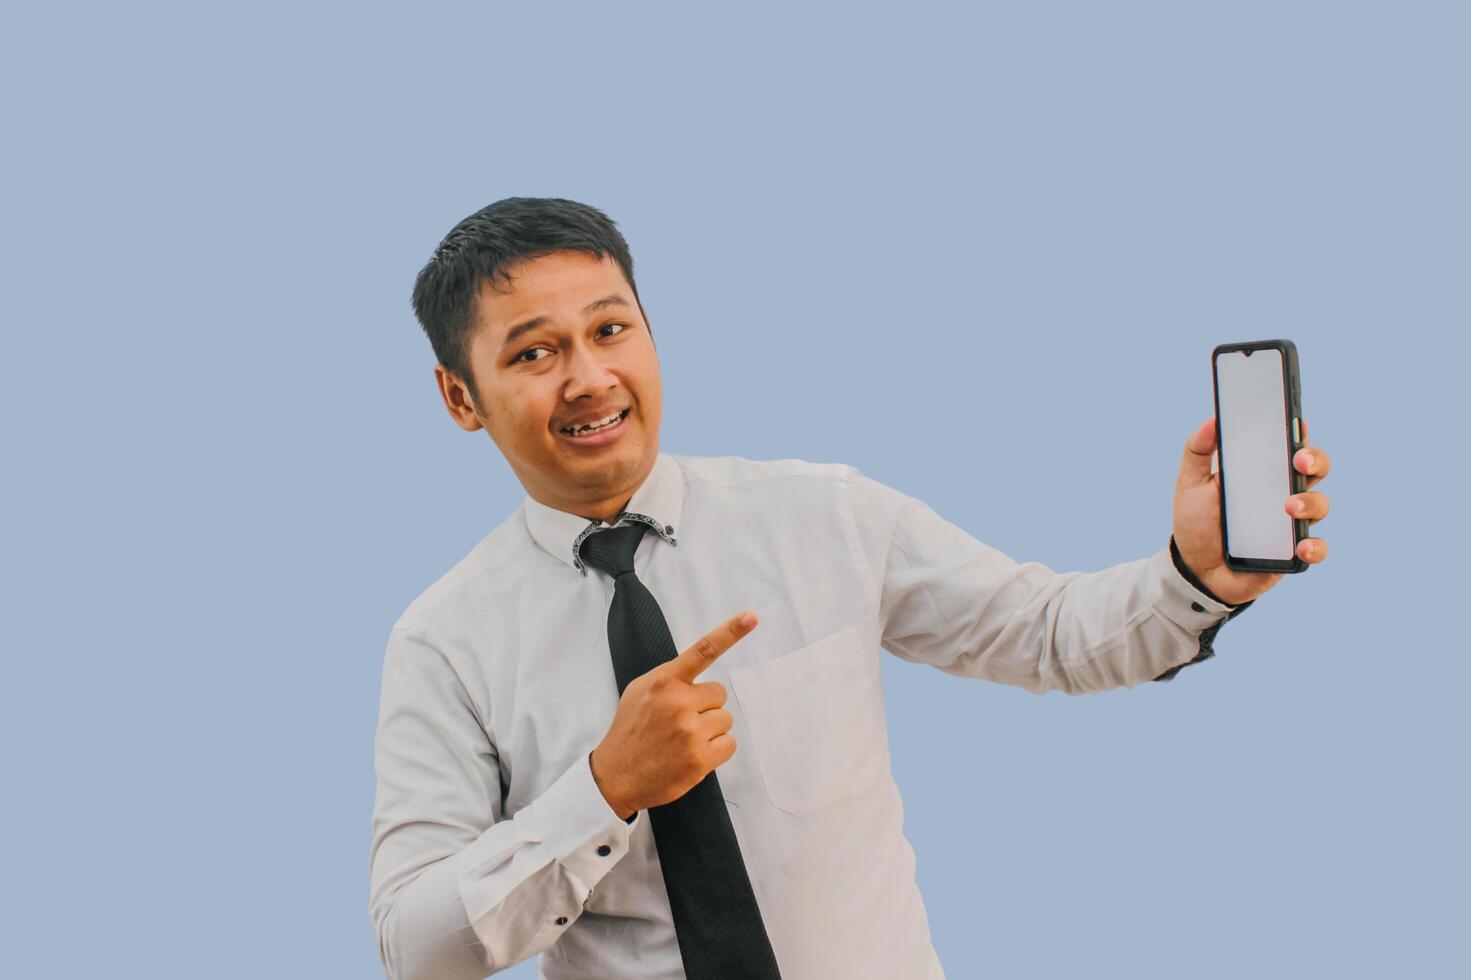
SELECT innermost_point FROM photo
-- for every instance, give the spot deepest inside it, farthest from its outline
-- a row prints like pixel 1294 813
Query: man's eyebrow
pixel 525 326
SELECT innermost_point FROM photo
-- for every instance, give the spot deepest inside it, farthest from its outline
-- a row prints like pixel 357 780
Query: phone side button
pixel 1296 432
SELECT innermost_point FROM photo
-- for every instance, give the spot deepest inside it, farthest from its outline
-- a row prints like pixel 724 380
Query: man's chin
pixel 611 467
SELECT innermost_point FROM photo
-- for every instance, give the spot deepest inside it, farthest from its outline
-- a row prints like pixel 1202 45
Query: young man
pixel 586 749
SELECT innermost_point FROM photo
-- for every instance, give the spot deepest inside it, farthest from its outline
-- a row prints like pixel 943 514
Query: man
pixel 586 750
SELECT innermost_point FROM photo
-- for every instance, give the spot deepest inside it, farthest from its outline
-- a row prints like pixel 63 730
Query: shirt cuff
pixel 1188 602
pixel 1190 576
pixel 1185 598
pixel 578 826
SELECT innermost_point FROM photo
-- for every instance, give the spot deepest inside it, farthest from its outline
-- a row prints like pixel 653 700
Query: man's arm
pixel 457 891
pixel 955 603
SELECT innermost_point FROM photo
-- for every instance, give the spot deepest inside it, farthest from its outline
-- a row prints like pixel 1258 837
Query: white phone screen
pixel 1255 454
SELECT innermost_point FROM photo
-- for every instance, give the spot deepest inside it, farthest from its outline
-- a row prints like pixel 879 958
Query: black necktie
pixel 721 935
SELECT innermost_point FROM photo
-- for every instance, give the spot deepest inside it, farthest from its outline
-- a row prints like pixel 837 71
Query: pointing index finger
pixel 688 665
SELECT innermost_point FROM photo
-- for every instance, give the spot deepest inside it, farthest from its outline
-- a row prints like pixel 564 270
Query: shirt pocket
pixel 815 720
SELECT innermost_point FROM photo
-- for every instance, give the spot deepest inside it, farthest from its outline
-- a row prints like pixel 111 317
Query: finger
pixel 1312 550
pixel 706 649
pixel 707 694
pixel 1200 448
pixel 1314 462
pixel 1311 505
pixel 716 721
pixel 723 746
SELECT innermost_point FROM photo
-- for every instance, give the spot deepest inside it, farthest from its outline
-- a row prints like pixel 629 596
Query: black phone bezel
pixel 1291 386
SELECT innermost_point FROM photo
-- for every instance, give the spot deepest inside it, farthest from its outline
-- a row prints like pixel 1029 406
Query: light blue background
pixel 982 255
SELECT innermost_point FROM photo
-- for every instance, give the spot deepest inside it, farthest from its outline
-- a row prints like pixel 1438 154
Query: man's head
pixel 533 314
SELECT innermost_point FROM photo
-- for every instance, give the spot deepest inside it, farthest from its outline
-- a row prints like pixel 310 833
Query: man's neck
pixel 609 513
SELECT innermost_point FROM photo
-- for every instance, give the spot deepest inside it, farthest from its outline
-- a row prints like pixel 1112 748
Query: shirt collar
pixel 657 502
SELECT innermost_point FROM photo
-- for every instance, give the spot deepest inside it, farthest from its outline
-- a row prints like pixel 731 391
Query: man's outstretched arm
pixel 958 604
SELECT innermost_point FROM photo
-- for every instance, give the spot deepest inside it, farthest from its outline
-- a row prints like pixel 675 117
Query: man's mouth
pixel 591 428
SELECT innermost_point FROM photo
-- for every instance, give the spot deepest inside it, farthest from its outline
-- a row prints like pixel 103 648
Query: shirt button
pixel 1197 607
pixel 604 850
pixel 561 920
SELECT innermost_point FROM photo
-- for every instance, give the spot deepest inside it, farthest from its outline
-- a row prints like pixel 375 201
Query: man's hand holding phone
pixel 1197 516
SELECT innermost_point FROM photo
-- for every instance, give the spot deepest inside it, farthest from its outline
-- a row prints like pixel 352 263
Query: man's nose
pixel 587 373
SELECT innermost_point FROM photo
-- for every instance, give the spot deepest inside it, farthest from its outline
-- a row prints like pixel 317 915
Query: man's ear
pixel 458 400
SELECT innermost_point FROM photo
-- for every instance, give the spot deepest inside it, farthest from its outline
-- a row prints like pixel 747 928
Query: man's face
pixel 565 342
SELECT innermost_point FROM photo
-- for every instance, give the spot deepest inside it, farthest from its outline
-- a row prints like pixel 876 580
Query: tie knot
pixel 611 550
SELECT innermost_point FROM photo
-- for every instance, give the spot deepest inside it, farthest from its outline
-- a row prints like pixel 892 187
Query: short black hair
pixel 484 245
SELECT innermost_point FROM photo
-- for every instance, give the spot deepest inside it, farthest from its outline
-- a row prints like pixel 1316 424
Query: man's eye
pixel 521 357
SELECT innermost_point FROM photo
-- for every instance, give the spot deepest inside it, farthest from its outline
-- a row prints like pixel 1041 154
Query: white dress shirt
pixel 492 842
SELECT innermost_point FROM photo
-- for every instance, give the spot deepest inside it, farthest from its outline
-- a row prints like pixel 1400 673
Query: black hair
pixel 484 245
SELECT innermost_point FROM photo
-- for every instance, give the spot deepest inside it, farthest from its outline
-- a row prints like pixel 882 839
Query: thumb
pixel 1195 465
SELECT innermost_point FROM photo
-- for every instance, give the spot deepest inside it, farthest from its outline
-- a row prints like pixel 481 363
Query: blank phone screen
pixel 1255 454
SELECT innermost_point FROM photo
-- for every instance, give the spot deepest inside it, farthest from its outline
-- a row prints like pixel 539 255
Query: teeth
pixel 593 426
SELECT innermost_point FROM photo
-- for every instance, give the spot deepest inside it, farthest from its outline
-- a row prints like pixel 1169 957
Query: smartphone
pixel 1258 430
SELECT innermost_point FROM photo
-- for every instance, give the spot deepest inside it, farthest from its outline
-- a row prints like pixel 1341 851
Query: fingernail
pixel 747 619
pixel 1307 459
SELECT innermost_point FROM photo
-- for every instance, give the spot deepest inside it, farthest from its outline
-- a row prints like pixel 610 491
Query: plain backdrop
pixel 981 253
